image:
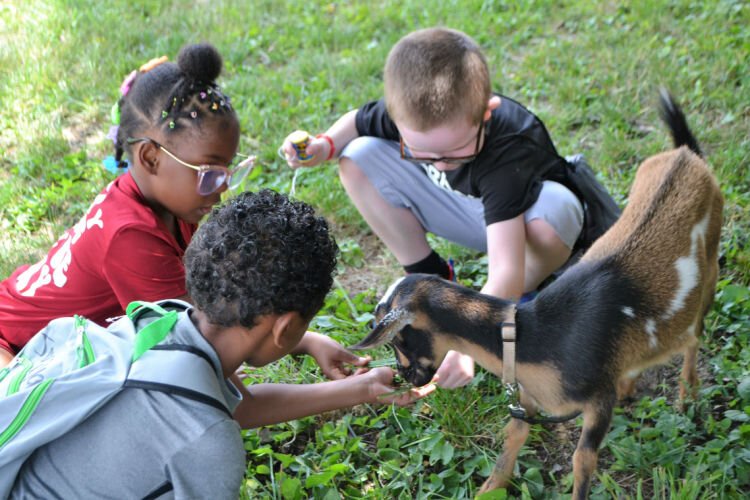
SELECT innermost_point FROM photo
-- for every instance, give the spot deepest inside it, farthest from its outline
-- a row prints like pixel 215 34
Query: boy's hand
pixel 330 355
pixel 457 370
pixel 379 382
pixel 319 149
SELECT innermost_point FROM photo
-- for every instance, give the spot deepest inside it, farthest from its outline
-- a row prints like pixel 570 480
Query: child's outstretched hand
pixel 457 370
pixel 318 148
pixel 381 389
pixel 330 355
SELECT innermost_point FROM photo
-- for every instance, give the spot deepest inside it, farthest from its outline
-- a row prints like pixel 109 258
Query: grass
pixel 590 70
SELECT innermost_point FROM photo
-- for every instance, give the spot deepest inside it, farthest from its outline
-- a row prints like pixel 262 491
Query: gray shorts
pixel 452 215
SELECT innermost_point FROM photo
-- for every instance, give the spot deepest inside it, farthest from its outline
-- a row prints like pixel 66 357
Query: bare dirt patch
pixel 379 270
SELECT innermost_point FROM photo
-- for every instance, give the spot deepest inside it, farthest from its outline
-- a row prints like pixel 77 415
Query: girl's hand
pixel 330 355
pixel 379 383
pixel 457 370
pixel 319 149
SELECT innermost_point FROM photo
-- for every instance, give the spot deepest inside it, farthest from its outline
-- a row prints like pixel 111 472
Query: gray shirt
pixel 144 441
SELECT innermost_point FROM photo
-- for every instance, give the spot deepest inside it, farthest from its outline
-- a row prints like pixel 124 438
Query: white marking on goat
pixel 689 332
pixel 628 311
pixel 633 373
pixel 424 362
pixel 687 269
pixel 387 296
pixel 392 316
pixel 651 331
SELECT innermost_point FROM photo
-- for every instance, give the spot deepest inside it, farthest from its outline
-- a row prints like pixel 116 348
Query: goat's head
pixel 401 323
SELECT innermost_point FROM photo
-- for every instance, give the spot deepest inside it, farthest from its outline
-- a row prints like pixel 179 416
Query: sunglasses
pixel 212 177
pixel 452 160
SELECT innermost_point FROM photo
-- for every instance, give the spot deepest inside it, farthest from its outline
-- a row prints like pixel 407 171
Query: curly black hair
pixel 174 97
pixel 260 253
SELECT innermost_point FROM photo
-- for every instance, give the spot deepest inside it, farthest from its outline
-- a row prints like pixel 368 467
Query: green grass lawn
pixel 590 70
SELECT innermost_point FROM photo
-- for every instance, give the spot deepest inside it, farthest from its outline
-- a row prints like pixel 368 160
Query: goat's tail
pixel 674 118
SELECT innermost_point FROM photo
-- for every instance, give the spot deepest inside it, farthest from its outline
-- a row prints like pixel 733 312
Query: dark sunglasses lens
pixel 210 181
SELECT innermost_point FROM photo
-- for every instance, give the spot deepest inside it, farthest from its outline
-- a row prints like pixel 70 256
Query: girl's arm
pixel 5 357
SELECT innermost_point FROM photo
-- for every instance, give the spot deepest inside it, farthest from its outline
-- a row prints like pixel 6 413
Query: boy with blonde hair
pixel 444 154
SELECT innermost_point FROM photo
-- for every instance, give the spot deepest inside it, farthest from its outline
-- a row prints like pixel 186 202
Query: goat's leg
pixel 516 432
pixel 689 374
pixel 596 419
pixel 626 386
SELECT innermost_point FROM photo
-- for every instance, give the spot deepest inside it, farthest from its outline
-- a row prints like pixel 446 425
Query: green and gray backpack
pixel 73 367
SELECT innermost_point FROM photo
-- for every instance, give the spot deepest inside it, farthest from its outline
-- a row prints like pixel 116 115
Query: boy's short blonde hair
pixel 434 76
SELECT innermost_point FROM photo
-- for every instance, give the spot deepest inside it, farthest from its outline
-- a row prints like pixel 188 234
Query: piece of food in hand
pixel 403 389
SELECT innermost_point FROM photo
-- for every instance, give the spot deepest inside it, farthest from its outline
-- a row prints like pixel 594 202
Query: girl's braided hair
pixel 173 96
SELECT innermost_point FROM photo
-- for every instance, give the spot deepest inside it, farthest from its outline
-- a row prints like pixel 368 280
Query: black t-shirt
pixel 507 175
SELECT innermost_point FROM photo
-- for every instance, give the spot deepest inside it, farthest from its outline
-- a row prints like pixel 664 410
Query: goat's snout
pixel 418 372
pixel 419 376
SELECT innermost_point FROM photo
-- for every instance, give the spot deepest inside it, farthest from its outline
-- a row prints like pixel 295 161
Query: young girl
pixel 180 134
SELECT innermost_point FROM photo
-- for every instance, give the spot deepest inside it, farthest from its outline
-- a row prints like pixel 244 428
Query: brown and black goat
pixel 636 298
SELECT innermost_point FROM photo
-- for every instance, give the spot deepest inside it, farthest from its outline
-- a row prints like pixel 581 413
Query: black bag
pixel 599 209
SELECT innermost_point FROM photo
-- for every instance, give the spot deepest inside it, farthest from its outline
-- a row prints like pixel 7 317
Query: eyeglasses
pixel 453 160
pixel 212 177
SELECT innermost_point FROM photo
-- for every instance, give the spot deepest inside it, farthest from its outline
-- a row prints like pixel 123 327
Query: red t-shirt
pixel 118 252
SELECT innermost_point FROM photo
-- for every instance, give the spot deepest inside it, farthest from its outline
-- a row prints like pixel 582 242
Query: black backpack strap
pixel 174 390
pixel 160 490
pixel 181 370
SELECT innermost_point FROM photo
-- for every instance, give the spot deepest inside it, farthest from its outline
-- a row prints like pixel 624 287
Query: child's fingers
pixel 360 361
pixel 408 395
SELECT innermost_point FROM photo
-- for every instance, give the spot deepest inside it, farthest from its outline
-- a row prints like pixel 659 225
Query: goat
pixel 637 297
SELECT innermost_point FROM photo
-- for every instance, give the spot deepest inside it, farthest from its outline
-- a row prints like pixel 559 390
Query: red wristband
pixel 330 143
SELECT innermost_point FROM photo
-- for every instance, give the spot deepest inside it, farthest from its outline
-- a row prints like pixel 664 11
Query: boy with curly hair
pixel 442 153
pixel 257 272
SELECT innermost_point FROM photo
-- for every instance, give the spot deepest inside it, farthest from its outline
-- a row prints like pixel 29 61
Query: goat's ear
pixel 385 330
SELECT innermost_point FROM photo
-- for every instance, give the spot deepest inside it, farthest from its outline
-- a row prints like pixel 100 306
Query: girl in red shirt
pixel 180 135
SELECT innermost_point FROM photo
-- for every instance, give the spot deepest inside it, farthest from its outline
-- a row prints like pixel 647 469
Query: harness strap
pixel 508 332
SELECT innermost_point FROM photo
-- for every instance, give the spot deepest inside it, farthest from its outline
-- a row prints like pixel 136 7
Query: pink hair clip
pixel 127 83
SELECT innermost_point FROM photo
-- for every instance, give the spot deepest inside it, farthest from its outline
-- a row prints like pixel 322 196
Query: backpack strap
pixel 154 332
pixel 181 370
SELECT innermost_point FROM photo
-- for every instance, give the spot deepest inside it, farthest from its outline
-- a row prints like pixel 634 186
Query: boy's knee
pixel 364 148
pixel 369 159
pixel 541 235
pixel 555 219
pixel 349 171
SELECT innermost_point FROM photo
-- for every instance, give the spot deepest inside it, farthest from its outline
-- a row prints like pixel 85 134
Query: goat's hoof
pixel 492 483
